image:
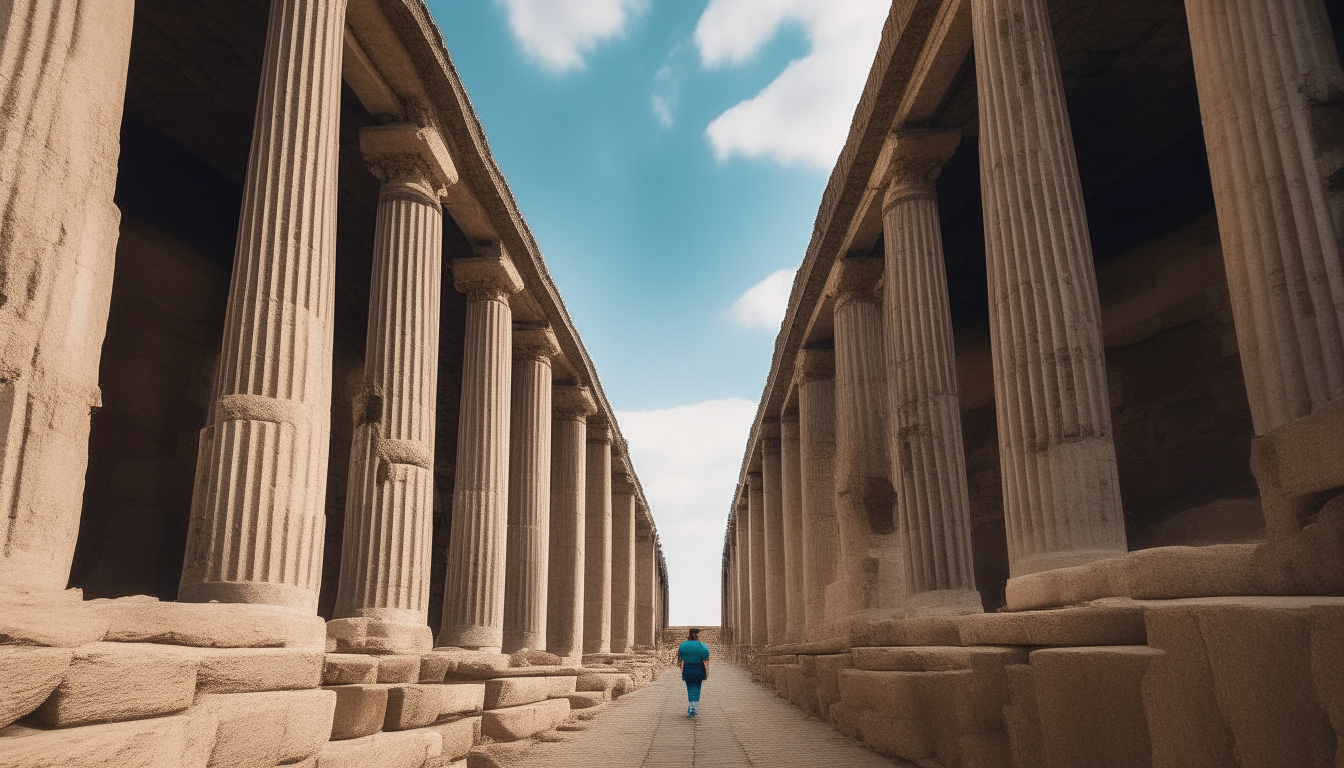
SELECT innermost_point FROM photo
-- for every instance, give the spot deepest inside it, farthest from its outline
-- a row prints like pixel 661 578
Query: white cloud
pixel 803 116
pixel 557 33
pixel 665 89
pixel 763 305
pixel 688 459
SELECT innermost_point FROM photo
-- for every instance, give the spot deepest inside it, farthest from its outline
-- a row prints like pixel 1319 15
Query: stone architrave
pixel 645 581
pixel 1269 81
pixel 62 82
pixel 389 503
pixel 928 462
pixel 528 553
pixel 870 577
pixel 815 374
pixel 261 466
pixel 771 486
pixel 760 611
pixel 571 406
pixel 1061 495
pixel 473 597
pixel 791 482
pixel 739 526
pixel 623 503
pixel 597 542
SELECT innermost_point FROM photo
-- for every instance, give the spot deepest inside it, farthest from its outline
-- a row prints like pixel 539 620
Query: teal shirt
pixel 693 652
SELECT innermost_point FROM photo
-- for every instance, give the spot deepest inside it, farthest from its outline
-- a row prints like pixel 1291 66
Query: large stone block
pixel 267 729
pixel 461 698
pixel 585 699
pixel 513 692
pixel 561 685
pixel 406 749
pixel 106 682
pixel 1090 705
pixel 180 741
pixel 62 620
pixel 1021 719
pixel 363 635
pixel 246 670
pixel 459 737
pixel 515 723
pixel 349 669
pixel 434 667
pixel 398 669
pixel 30 674
pixel 1065 627
pixel 360 710
pixel 211 625
pixel 412 706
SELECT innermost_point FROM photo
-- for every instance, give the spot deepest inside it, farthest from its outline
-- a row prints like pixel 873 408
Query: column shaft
pixel 569 461
pixel 597 544
pixel 622 565
pixel 771 481
pixel 262 462
pixel 645 581
pixel 1060 492
pixel 743 536
pixel 760 611
pixel 795 599
pixel 816 439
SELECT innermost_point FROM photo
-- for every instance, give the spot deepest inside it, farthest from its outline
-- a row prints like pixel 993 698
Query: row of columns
pixel 873 442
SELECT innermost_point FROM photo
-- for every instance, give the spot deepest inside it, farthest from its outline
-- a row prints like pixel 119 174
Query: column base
pixel 524 641
pixel 380 636
pixel 285 596
pixel 944 602
pixel 471 638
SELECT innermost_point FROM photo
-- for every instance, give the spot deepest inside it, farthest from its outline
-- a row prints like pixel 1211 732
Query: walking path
pixel 740 724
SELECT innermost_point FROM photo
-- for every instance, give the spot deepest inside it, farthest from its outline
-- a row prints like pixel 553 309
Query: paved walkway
pixel 740 724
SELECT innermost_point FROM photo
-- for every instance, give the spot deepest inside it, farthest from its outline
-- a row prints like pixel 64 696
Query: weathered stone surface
pixel 461 698
pixel 360 710
pixel 513 723
pixel 533 658
pixel 365 635
pixel 120 681
pixel 349 669
pixel 412 706
pixel 562 685
pixel 243 670
pixel 398 669
pixel 1092 625
pixel 211 625
pixel 596 682
pixel 586 699
pixel 513 692
pixel 406 749
pixel 60 620
pixel 570 408
pixel 478 665
pixel 1090 705
pixel 266 729
pixel 30 675
pixel 434 667
pixel 180 741
pixel 458 737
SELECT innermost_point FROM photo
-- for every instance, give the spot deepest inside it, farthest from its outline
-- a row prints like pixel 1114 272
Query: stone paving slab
pixel 740 724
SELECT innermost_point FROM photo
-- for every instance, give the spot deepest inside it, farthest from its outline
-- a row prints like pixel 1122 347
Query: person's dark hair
pixel 693 633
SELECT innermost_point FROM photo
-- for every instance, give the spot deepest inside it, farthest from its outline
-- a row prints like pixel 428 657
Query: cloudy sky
pixel 670 156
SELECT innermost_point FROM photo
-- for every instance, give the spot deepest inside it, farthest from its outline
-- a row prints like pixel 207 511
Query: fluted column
pixel 791 483
pixel 645 599
pixel 929 462
pixel 741 523
pixel 473 596
pixel 815 373
pixel 62 83
pixel 760 611
pixel 622 564
pixel 261 466
pixel 382 601
pixel 1269 82
pixel 772 507
pixel 869 574
pixel 1061 498
pixel 597 543
pixel 571 406
pixel 526 570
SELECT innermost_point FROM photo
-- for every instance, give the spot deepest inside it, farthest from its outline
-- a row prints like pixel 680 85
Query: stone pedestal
pixel 62 83
pixel 622 564
pixel 262 462
pixel 571 407
pixel 791 483
pixel 389 503
pixel 1060 493
pixel 473 598
pixel 924 426
pixel 771 485
pixel 645 582
pixel 597 543
pixel 527 572
pixel 760 611
pixel 816 440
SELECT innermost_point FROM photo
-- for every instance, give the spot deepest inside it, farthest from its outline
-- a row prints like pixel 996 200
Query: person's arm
pixel 705 663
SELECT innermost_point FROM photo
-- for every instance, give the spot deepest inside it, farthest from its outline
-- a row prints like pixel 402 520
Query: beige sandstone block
pixel 59 621
pixel 513 723
pixel 30 675
pixel 1090 705
pixel 412 706
pixel 461 698
pixel 563 685
pixel 513 692
pixel 1091 625
pixel 406 749
pixel 459 737
pixel 246 670
pixel 363 635
pixel 596 682
pixel 480 665
pixel 398 669
pixel 533 658
pixel 181 741
pixel 434 667
pixel 349 669
pixel 120 681
pixel 585 699
pixel 211 625
pixel 360 710
pixel 266 729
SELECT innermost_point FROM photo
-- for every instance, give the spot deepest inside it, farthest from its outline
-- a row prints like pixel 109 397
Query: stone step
pixel 515 723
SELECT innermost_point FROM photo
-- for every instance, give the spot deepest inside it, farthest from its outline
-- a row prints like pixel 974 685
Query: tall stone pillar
pixel 1270 88
pixel 924 427
pixel 382 601
pixel 528 551
pixel 741 523
pixel 645 599
pixel 571 406
pixel 597 543
pixel 760 606
pixel 870 578
pixel 816 452
pixel 773 508
pixel 622 564
pixel 473 595
pixel 261 466
pixel 791 483
pixel 1061 498
pixel 62 82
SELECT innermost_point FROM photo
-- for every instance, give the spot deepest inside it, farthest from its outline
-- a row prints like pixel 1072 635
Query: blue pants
pixel 693 690
pixel 693 675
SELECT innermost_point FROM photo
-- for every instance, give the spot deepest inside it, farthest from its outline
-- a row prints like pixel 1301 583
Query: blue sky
pixel 669 156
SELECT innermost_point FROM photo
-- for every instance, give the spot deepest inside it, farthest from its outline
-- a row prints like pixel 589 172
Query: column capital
pixel 599 431
pixel 857 279
pixel 917 157
pixel 622 484
pixel 814 364
pixel 533 341
pixel 491 275
pixel 408 154
pixel 770 430
pixel 572 401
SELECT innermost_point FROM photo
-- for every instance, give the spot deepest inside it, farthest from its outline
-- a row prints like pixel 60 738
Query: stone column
pixel 740 524
pixel 62 82
pixel 528 552
pixel 815 373
pixel 760 606
pixel 870 576
pixel 571 407
pixel 645 599
pixel 773 507
pixel 382 601
pixel 597 543
pixel 1060 494
pixel 791 482
pixel 622 564
pixel 261 466
pixel 1270 88
pixel 473 595
pixel 924 427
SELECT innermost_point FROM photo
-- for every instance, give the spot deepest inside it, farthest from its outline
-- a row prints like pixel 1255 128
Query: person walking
pixel 694 656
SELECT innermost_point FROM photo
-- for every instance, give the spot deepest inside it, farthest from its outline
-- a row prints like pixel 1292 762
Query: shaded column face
pixel 526 574
pixel 816 439
pixel 571 405
pixel 63 84
pixel 622 564
pixel 870 575
pixel 743 568
pixel 772 508
pixel 1061 496
pixel 760 614
pixel 473 598
pixel 645 583
pixel 385 549
pixel 597 543
pixel 928 462
pixel 269 421
pixel 791 482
